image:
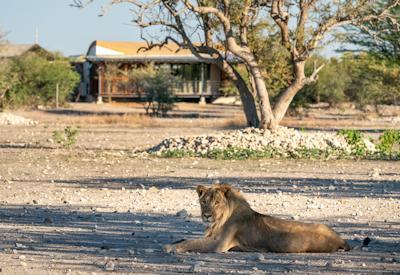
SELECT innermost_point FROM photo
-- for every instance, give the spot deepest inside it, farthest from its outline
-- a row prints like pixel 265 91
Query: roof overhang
pixel 135 52
pixel 148 59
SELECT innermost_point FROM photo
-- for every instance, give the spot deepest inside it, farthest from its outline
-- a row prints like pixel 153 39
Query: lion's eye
pixel 216 202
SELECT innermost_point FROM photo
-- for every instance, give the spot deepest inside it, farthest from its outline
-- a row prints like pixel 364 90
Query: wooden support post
pixel 100 86
pixel 57 94
pixel 203 85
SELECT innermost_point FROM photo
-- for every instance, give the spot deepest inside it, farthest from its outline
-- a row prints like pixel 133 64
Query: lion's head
pixel 213 201
pixel 218 203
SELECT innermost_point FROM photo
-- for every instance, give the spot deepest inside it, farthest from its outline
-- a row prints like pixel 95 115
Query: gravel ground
pixel 96 208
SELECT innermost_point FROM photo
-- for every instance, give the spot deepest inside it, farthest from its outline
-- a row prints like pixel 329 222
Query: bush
pixel 67 138
pixel 375 80
pixel 155 86
pixel 331 84
pixel 389 143
pixel 7 81
pixel 36 79
pixel 356 140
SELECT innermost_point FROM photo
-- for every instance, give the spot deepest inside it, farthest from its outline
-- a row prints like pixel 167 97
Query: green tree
pixel 273 58
pixel 331 86
pixel 381 37
pixel 374 80
pixel 7 80
pixel 36 81
pixel 360 78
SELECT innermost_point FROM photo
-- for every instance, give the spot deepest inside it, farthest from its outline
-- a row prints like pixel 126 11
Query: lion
pixel 233 225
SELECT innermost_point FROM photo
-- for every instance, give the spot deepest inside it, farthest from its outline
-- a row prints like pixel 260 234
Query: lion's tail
pixel 365 243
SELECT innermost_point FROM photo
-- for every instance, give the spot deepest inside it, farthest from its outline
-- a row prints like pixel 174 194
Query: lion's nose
pixel 207 216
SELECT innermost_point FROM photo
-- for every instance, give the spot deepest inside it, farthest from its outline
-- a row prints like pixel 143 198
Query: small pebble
pixel 196 267
pixel 260 257
pixel 109 266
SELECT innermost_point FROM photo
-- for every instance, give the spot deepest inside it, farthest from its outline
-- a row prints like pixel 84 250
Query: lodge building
pixel 196 79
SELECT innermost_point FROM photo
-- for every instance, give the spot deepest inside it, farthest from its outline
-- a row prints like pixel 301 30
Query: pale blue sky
pixel 67 29
pixel 62 27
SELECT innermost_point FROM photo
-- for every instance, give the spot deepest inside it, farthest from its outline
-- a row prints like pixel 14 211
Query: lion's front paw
pixel 170 248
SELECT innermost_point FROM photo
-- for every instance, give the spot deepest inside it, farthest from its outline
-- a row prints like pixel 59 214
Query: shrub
pixel 356 140
pixel 156 89
pixel 389 142
pixel 67 138
pixel 7 81
pixel 36 79
pixel 375 80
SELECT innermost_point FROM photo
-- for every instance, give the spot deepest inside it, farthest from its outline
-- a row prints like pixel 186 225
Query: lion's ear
pixel 225 188
pixel 201 190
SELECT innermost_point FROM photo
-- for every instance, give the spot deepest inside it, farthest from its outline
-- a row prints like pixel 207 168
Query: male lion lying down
pixel 233 225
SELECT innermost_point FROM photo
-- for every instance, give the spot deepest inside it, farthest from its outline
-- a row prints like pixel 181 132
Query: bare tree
pixel 223 28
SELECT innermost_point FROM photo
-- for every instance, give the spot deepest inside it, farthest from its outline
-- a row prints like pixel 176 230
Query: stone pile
pixel 11 119
pixel 283 140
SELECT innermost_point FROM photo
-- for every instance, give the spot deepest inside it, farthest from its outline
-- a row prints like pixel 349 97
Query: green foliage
pixel 381 37
pixel 66 138
pixel 356 141
pixel 35 81
pixel 7 81
pixel 363 79
pixel 374 80
pixel 331 84
pixel 156 86
pixel 236 153
pixel 177 154
pixel 240 153
pixel 273 59
pixel 389 142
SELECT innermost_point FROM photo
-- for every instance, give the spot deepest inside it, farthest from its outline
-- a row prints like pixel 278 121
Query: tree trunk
pixel 268 120
pixel 287 96
pixel 267 117
pixel 248 100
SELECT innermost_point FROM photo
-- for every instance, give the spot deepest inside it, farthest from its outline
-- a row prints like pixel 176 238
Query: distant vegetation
pixel 364 79
pixel 31 80
pixel 361 78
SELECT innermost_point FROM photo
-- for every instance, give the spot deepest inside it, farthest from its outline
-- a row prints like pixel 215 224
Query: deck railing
pixel 120 87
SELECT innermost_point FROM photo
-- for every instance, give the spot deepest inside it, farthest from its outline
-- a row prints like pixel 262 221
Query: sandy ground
pixel 98 208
